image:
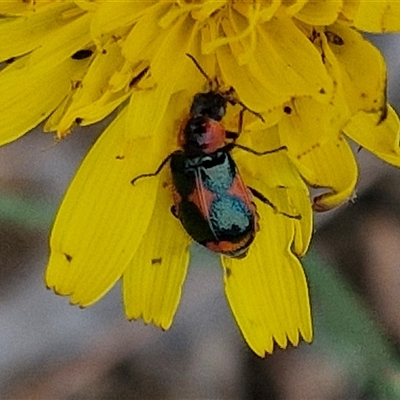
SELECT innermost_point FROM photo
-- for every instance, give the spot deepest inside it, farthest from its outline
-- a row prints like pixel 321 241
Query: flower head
pixel 302 66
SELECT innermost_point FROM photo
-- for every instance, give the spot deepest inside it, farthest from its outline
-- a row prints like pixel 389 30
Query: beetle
pixel 211 200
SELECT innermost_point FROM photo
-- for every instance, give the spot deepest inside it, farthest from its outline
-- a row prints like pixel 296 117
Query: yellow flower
pixel 300 64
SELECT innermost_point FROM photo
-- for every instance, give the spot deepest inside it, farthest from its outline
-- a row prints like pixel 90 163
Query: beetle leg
pixel 262 198
pixel 231 135
pixel 231 96
pixel 245 108
pixel 259 153
pixel 240 122
pixel 160 167
pixel 235 135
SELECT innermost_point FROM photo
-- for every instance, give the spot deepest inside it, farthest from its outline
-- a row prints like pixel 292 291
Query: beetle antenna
pixel 198 66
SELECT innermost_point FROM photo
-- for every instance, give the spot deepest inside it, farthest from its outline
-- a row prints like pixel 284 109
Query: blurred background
pixel 51 350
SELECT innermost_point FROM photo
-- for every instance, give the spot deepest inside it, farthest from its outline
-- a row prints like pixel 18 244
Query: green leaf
pixel 26 212
pixel 347 332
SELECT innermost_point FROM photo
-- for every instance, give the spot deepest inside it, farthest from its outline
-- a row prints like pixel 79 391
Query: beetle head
pixel 209 104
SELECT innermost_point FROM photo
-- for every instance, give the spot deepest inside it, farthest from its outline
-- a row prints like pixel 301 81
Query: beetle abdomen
pixel 213 204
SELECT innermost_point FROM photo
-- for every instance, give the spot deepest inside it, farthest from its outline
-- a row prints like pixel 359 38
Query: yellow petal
pixel 244 83
pixel 30 93
pixel 273 70
pixel 36 84
pixel 313 12
pixel 378 16
pixel 349 10
pixel 63 42
pixel 208 7
pixel 112 15
pixel 330 165
pixel 319 151
pixel 14 7
pixel 103 217
pixel 169 50
pixel 267 289
pixel 380 138
pixel 94 97
pixel 288 47
pixel 153 281
pixel 305 124
pixel 146 36
pixel 278 180
pixel 295 7
pixel 181 38
pixel 362 69
pixel 22 35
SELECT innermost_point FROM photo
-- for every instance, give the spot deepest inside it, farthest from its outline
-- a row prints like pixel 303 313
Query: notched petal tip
pixel 300 339
pixel 159 324
pixel 57 290
pixel 308 339
pixel 75 303
pixel 151 321
pixel 69 294
pixel 280 292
